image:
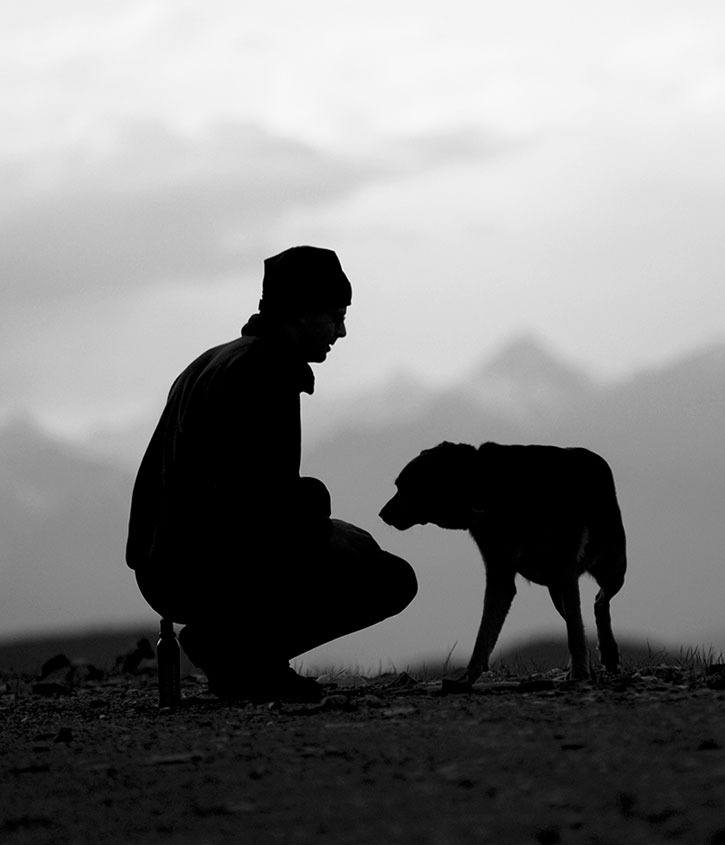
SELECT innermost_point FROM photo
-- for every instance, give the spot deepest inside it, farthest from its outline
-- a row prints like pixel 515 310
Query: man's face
pixel 318 332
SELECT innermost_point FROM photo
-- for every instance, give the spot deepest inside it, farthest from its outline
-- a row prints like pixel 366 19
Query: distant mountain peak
pixel 22 432
pixel 529 358
pixel 525 379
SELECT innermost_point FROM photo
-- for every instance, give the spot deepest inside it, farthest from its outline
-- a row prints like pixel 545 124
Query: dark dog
pixel 547 513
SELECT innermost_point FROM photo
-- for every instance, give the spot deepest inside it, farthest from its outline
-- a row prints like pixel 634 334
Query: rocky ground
pixel 638 758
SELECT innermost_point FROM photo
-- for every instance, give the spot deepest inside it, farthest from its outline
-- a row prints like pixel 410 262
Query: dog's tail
pixel 608 561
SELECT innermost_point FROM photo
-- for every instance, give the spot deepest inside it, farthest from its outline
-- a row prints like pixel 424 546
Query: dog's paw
pixel 456 685
pixel 580 674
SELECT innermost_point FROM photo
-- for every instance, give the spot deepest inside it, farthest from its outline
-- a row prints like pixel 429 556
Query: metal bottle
pixel 168 658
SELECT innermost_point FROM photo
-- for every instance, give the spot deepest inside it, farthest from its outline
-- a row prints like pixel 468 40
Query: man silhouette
pixel 224 534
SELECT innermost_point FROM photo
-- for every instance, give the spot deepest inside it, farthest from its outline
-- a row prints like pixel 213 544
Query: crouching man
pixel 224 535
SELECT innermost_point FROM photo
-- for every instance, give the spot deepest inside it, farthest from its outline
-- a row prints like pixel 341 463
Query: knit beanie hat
pixel 303 279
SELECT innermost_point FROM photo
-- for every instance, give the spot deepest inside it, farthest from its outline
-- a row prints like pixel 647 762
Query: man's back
pixel 225 448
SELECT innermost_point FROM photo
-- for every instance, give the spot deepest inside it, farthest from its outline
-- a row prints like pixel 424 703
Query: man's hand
pixel 313 498
pixel 348 538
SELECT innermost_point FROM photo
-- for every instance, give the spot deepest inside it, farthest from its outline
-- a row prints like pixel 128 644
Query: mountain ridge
pixel 63 516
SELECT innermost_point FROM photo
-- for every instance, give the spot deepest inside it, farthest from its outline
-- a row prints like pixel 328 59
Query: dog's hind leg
pixel 571 603
pixel 610 578
pixel 608 650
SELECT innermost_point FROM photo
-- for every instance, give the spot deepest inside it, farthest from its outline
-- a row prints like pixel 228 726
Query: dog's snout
pixel 394 513
pixel 390 510
pixel 385 512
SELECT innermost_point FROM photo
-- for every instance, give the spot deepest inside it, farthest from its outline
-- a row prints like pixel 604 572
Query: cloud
pixel 159 206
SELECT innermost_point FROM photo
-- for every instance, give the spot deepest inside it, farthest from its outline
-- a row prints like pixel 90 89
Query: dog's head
pixel 434 487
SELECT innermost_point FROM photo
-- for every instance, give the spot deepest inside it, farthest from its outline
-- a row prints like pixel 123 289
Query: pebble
pixel 396 712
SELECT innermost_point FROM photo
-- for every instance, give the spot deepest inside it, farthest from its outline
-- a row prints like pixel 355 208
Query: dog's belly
pixel 541 552
pixel 537 569
pixel 544 559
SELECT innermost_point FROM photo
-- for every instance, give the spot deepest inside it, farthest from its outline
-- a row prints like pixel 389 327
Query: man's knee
pixel 401 582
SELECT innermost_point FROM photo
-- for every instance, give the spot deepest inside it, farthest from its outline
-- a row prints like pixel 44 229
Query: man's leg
pixel 247 622
pixel 352 593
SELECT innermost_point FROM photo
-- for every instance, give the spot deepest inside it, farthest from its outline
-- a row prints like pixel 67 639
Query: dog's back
pixel 546 507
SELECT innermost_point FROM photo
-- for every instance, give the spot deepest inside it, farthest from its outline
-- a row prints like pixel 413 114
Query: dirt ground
pixel 633 759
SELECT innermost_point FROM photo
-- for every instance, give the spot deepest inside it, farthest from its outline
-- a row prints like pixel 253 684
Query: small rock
pixel 25 823
pixel 50 688
pixel 205 810
pixel 396 712
pixel 336 702
pixel 301 710
pixel 557 674
pixel 174 759
pixel 503 686
pixel 310 751
pixel 536 685
pixel 58 675
pixel 58 661
pixel 104 768
pixel 451 686
pixel 403 680
pixel 82 672
pixel 662 815
pixel 131 662
pixel 548 836
pixel 31 769
pixel 370 700
pixel 342 679
pixel 333 751
pixel 227 808
pixel 241 806
pixel 671 674
pixel 453 773
pixel 626 802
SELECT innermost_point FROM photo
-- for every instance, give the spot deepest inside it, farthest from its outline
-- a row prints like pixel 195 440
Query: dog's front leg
pixel 500 592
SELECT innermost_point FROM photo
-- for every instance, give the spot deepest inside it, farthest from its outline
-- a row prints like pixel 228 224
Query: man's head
pixel 305 290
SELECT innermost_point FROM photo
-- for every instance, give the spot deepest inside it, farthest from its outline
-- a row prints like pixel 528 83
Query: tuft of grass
pixel 688 658
pixel 700 657
pixel 525 663
pixel 447 661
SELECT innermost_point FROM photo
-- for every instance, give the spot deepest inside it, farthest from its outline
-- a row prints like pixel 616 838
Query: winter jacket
pixel 221 474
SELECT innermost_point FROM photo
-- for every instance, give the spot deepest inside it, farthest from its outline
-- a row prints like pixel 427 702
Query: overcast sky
pixel 481 169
